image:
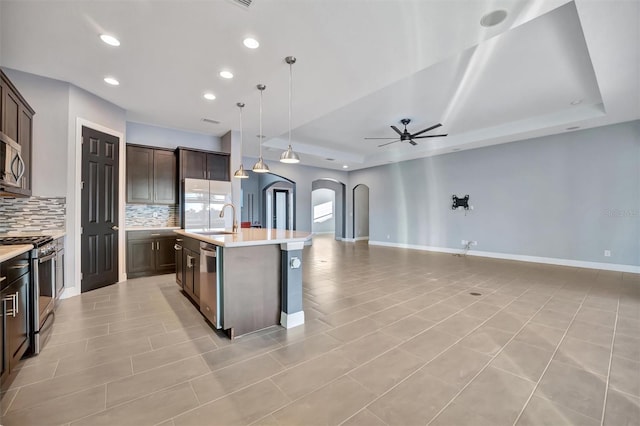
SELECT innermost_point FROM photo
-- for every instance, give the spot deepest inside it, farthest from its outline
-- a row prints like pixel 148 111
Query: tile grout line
pixel 493 357
pixel 535 387
pixel 606 389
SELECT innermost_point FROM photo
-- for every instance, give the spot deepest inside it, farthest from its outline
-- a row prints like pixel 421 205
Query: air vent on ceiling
pixel 245 3
pixel 210 120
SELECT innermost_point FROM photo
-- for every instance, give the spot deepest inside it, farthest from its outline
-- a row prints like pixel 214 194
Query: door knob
pixel 115 227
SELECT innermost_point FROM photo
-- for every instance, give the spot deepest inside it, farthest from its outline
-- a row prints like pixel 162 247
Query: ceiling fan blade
pixel 435 126
pixel 388 143
pixel 412 142
pixel 380 138
pixel 397 130
pixel 429 136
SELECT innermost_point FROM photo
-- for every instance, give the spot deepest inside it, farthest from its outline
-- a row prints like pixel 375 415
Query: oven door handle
pixel 46 258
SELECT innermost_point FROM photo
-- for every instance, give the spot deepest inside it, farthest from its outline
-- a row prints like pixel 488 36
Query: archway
pixel 360 212
pixel 340 203
pixel 259 195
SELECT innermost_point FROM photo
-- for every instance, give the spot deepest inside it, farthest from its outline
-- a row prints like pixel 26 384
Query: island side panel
pixel 251 288
pixel 292 314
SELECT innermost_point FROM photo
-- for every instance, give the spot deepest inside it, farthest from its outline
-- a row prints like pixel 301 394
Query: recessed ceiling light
pixel 226 74
pixel 110 40
pixel 330 159
pixel 112 81
pixel 493 18
pixel 573 128
pixel 251 43
pixel 209 96
pixel 576 102
pixel 344 166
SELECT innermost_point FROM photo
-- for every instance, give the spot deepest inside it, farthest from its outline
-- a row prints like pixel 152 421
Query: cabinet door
pixel 3 355
pixel 165 255
pixel 196 277
pixel 189 272
pixel 164 177
pixel 11 116
pixel 140 257
pixel 139 175
pixel 194 164
pixel 217 167
pixel 17 324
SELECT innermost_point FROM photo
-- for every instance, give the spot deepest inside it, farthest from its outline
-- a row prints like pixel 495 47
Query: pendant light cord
pixel 290 95
pixel 260 136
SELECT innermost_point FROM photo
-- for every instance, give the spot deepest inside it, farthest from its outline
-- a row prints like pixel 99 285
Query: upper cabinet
pixel 203 165
pixel 151 175
pixel 16 121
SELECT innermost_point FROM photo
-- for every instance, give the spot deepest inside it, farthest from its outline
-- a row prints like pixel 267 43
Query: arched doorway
pixel 339 207
pixel 323 210
pixel 268 201
pixel 360 212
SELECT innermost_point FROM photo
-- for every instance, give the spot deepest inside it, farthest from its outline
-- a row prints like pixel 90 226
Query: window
pixel 323 212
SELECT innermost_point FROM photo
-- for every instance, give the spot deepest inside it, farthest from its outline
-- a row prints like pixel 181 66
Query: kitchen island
pixel 243 281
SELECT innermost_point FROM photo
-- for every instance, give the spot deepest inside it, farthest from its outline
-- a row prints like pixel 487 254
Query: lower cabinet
pixel 179 262
pixel 150 253
pixel 15 307
pixel 191 281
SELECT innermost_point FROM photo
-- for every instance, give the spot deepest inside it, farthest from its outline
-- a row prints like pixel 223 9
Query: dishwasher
pixel 209 284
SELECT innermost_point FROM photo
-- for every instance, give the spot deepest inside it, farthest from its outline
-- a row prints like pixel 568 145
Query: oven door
pixel 44 297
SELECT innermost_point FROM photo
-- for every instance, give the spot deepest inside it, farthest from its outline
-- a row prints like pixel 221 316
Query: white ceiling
pixel 362 66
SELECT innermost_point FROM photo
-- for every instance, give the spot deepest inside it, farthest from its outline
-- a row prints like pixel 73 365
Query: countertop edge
pixel 151 228
pixel 13 251
pixel 219 240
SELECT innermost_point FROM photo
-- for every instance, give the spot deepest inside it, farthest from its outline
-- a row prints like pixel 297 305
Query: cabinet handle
pixel 177 247
pixel 10 312
pixel 153 245
pixel 189 260
pixel 16 303
pixel 179 239
pixel 19 266
pixel 158 245
pixel 2 279
pixel 155 235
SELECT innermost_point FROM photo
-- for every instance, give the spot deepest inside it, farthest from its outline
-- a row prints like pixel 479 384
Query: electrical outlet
pixel 607 253
pixel 474 243
pixel 155 214
pixel 388 236
pixel 463 242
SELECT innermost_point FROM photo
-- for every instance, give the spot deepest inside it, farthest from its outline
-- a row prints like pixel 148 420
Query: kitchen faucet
pixel 235 222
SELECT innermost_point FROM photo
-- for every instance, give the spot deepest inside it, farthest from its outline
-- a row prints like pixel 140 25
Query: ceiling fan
pixel 406 136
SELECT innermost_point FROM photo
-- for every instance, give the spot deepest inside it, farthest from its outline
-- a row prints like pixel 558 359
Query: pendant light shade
pixel 289 156
pixel 241 172
pixel 260 166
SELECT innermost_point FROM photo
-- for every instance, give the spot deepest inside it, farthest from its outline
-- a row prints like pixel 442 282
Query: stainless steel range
pixel 43 296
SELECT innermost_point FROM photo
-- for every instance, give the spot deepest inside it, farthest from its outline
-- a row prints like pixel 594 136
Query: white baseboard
pixel 519 257
pixel 291 320
pixel 70 292
pixel 353 240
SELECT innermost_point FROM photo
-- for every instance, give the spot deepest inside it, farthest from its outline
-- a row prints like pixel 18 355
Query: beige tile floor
pixel 391 337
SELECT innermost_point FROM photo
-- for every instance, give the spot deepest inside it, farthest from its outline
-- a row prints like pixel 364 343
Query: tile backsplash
pixel 32 214
pixel 151 215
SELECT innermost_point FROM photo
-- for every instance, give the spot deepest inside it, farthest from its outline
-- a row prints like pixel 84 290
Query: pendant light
pixel 241 173
pixel 260 166
pixel 289 156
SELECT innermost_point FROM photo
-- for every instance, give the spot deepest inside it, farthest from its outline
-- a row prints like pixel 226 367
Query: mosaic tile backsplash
pixel 32 214
pixel 143 215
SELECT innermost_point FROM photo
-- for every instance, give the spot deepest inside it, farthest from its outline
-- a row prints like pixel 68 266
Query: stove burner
pixel 36 240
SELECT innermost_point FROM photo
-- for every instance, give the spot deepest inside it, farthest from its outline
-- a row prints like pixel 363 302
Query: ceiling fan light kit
pixel 289 156
pixel 260 166
pixel 406 136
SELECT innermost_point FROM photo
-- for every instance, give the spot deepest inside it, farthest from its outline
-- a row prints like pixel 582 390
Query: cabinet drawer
pixel 150 235
pixel 15 267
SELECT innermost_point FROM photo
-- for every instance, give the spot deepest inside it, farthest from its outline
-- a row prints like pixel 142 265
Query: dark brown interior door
pixel 99 209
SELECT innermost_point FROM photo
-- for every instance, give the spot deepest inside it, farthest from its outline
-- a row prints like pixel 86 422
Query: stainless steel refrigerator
pixel 203 201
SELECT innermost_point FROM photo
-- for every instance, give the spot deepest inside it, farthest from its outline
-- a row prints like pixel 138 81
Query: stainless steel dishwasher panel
pixel 209 285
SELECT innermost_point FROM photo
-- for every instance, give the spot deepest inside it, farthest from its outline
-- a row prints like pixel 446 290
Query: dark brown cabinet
pixel 14 297
pixel 203 165
pixel 191 282
pixel 179 262
pixel 151 175
pixel 16 121
pixel 150 253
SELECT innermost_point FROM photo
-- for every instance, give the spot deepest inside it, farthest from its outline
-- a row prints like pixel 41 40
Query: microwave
pixel 12 166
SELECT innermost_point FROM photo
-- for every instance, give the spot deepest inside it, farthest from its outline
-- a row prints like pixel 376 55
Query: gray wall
pixel 361 211
pixel 320 196
pixel 566 196
pixel 147 134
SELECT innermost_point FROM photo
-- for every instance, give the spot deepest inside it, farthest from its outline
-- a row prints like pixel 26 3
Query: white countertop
pixel 8 252
pixel 151 228
pixel 246 237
